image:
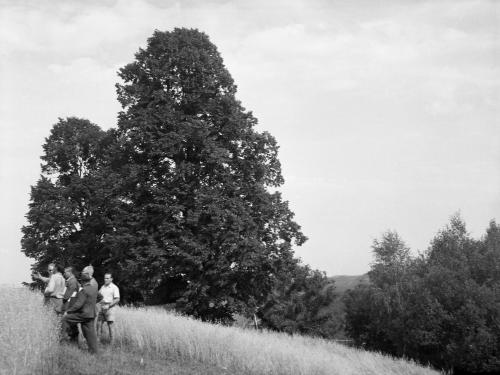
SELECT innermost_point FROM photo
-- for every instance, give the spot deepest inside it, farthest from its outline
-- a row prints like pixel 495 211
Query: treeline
pixel 441 307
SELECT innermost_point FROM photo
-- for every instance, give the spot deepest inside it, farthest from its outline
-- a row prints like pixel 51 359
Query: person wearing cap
pixel 110 298
pixel 81 309
pixel 54 291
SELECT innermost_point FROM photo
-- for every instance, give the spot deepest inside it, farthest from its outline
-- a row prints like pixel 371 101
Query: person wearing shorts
pixel 110 297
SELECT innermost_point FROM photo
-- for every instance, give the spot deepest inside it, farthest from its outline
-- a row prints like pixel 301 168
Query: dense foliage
pixel 301 302
pixel 442 307
pixel 70 211
pixel 179 201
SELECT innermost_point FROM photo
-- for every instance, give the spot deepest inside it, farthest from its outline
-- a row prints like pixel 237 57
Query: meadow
pixel 28 333
pixel 155 341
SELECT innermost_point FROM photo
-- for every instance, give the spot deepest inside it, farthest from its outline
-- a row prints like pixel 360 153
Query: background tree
pixel 67 218
pixel 377 313
pixel 441 307
pixel 466 287
pixel 301 302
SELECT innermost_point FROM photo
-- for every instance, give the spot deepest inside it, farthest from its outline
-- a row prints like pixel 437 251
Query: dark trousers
pixel 70 326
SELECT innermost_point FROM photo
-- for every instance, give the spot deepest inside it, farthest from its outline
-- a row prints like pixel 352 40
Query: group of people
pixel 81 302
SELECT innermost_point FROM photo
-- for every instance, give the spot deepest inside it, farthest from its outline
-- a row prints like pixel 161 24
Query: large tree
pixel 199 178
pixel 190 209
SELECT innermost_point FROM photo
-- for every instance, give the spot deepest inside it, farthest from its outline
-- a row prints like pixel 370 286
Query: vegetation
pixel 153 341
pixel 303 301
pixel 442 307
pixel 343 283
pixel 28 333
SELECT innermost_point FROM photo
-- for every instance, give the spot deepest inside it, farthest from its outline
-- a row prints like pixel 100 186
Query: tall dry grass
pixel 28 333
pixel 29 345
pixel 163 334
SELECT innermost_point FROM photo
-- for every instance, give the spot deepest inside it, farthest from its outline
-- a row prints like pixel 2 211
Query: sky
pixel 386 112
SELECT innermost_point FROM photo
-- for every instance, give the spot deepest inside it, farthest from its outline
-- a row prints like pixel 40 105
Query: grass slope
pixel 343 283
pixel 153 341
pixel 111 361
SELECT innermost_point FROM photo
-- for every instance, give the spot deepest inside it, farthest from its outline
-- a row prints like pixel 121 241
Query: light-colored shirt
pixel 109 293
pixel 56 285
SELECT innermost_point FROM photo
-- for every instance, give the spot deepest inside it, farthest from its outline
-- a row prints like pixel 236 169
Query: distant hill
pixel 336 308
pixel 344 282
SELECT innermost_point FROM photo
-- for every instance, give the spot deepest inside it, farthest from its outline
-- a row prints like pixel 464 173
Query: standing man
pixel 110 297
pixel 90 270
pixel 54 291
pixel 81 309
pixel 72 286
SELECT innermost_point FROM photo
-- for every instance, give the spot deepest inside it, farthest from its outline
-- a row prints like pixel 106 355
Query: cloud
pixel 82 70
pixel 327 44
pixel 413 50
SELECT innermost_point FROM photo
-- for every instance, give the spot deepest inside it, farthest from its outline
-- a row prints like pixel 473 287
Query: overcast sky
pixel 386 112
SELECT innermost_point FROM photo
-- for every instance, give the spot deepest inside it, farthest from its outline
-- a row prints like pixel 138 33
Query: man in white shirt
pixel 110 297
pixel 56 286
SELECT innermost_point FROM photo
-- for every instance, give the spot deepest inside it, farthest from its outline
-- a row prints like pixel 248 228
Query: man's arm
pixel 116 296
pixel 40 277
pixel 115 301
pixel 71 286
pixel 81 297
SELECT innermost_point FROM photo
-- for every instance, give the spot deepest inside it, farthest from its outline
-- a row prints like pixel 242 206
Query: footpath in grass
pixel 116 361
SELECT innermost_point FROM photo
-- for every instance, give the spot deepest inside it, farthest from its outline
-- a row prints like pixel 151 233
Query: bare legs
pixel 110 330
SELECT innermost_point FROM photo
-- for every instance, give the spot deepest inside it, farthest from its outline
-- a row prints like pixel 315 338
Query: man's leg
pixel 110 328
pixel 70 327
pixel 88 329
pixel 58 305
pixel 51 303
pixel 97 312
pixel 99 325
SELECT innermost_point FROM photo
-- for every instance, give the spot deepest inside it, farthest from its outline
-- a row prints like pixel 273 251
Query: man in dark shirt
pixel 72 286
pixel 81 309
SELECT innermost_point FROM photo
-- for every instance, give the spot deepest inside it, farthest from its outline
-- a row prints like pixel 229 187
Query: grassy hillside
pixel 153 341
pixel 343 282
